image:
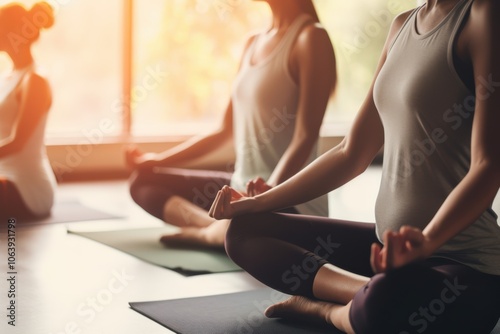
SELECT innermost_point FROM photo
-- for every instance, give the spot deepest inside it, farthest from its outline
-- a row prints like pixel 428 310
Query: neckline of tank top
pixel 13 79
pixel 20 72
pixel 439 25
pixel 301 19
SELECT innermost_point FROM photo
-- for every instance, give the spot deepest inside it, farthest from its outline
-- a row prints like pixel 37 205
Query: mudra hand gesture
pixel 229 203
pixel 402 247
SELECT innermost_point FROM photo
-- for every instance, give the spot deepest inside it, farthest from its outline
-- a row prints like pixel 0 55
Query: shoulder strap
pixel 293 32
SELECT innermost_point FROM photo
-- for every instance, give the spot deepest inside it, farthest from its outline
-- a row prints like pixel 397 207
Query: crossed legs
pixel 325 264
pixel 182 197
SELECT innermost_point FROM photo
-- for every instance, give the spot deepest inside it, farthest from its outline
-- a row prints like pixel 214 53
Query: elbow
pixel 355 158
pixel 489 167
pixel 304 142
pixel 11 147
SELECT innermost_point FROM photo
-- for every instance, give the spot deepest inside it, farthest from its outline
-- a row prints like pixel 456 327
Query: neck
pixel 21 59
pixel 283 17
pixel 435 3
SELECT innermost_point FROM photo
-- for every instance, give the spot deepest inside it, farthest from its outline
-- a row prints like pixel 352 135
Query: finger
pixel 227 203
pixel 251 189
pixel 374 258
pixel 389 251
pixel 235 194
pixel 259 182
pixel 215 205
pixel 413 235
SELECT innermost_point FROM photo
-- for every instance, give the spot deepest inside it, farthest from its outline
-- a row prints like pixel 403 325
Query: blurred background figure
pixel 273 118
pixel 27 183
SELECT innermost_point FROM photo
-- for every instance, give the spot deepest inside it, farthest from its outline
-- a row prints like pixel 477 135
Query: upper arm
pixel 366 135
pixel 485 58
pixel 316 70
pixel 35 99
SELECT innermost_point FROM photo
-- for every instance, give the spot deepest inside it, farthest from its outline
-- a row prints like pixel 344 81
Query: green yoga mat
pixel 145 245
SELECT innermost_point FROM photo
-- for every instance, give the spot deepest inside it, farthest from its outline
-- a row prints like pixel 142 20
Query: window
pixel 184 57
pixel 81 57
pixel 197 45
pixel 358 30
pixel 190 51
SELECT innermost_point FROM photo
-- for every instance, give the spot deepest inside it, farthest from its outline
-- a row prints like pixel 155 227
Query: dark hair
pixel 308 7
pixel 27 23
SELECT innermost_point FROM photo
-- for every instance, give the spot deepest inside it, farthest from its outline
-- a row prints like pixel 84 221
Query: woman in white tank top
pixel 279 97
pixel 27 182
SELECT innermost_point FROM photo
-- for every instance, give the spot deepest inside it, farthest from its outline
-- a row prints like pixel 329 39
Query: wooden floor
pixel 68 284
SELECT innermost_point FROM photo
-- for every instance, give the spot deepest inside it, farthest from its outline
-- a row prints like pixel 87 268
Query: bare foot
pixel 303 309
pixel 211 236
pixel 180 212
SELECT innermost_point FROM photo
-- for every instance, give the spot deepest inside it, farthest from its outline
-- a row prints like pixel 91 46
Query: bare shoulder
pixel 490 7
pixel 314 35
pixel 36 88
pixel 484 13
pixel 483 21
pixel 36 81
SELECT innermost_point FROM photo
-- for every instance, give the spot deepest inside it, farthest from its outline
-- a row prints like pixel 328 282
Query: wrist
pixel 431 244
pixel 244 206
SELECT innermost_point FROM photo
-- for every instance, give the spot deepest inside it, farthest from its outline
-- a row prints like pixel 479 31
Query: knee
pixel 140 188
pixel 236 234
pixel 386 302
pixel 134 184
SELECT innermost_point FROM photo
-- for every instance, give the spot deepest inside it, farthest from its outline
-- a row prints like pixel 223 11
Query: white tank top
pixel 265 100
pixel 28 169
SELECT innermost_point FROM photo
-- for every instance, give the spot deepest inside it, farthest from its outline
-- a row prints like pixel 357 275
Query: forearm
pixel 464 205
pixel 291 162
pixel 328 172
pixel 192 149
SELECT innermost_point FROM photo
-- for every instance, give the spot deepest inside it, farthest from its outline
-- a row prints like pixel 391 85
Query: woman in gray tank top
pixel 279 97
pixel 431 263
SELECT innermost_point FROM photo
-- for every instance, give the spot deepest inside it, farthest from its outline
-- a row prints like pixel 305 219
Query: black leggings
pixel 151 188
pixel 434 296
pixel 12 204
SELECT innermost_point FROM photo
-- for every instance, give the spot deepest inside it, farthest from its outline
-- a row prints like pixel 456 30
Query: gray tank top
pixel 265 104
pixel 427 113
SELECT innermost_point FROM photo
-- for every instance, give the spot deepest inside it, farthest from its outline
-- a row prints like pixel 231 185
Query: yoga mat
pixel 144 244
pixel 496 330
pixel 69 211
pixel 236 313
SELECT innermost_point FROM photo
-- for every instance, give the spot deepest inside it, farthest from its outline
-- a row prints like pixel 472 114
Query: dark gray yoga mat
pixel 235 313
pixel 496 330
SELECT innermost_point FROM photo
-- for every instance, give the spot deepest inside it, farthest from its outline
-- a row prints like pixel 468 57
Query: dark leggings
pixel 12 204
pixel 151 188
pixel 434 296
